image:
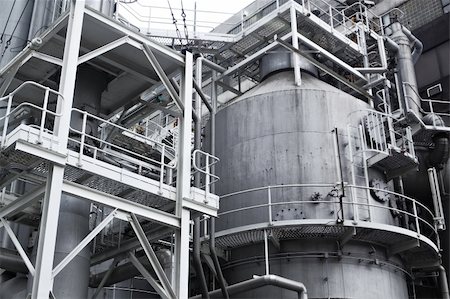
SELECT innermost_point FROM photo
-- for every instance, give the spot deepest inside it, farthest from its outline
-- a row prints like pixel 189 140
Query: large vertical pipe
pixel 73 226
pixel 212 220
pixel 42 12
pixel 73 223
pixel 14 23
pixel 197 260
pixel 406 70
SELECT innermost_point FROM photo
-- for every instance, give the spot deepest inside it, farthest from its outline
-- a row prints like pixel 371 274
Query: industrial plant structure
pixel 321 126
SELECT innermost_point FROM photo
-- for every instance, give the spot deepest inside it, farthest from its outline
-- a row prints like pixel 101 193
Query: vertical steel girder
pixel 43 280
pixel 295 56
pixel 181 277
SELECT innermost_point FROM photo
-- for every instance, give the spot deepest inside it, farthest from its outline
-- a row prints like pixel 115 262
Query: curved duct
pixel 440 153
pixel 260 281
pixel 416 44
pixel 405 62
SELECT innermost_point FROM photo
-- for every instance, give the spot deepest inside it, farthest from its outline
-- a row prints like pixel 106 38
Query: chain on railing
pixel 10 111
pixel 423 222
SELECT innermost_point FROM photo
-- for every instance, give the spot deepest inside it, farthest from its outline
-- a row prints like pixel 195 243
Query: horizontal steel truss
pixel 297 38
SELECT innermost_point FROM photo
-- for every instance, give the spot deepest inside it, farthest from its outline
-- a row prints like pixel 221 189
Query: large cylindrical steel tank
pixel 15 19
pixel 279 134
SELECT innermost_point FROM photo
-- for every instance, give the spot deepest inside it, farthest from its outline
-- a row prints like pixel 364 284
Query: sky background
pixel 210 13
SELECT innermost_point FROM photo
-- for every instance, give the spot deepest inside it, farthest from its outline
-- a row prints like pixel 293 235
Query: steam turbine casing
pixel 280 134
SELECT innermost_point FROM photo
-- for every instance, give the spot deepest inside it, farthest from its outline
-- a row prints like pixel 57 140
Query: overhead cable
pixel 7 21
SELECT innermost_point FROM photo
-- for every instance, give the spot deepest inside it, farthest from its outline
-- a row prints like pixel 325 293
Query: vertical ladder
pixel 359 173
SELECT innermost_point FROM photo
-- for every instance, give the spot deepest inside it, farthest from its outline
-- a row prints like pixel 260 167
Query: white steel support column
pixel 181 277
pixel 69 71
pixel 295 56
pixel 43 281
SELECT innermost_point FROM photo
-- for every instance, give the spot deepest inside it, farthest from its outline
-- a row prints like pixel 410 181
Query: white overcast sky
pixel 210 13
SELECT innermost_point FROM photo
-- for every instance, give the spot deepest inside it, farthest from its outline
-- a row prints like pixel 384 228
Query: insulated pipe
pixel 212 220
pixel 406 69
pixel 212 248
pixel 260 281
pixel 443 282
pixel 197 259
pixel 12 262
pixel 417 44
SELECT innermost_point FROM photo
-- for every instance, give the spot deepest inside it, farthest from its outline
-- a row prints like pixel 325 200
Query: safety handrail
pixel 129 155
pixel 110 123
pixel 269 203
pixel 386 136
pixel 44 108
pixel 430 102
pixel 210 160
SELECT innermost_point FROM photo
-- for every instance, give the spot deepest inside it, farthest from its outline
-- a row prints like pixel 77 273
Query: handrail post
pixel 416 217
pixel 161 174
pixel 83 136
pixel 266 252
pixel 5 124
pixel 43 115
pixel 352 170
pixel 331 18
pixel 207 177
pixel 269 202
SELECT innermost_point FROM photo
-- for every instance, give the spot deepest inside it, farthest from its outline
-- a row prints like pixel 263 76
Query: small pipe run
pixel 260 281
pixel 212 248
pixel 197 259
pixel 10 260
pixel 443 282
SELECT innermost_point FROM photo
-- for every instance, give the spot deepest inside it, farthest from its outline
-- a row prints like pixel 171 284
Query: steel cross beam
pixel 151 280
pixel 153 214
pixel 83 243
pixel 103 49
pixel 105 278
pixel 19 248
pixel 162 75
pixel 22 202
pixel 47 58
pixel 326 69
pixel 140 234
